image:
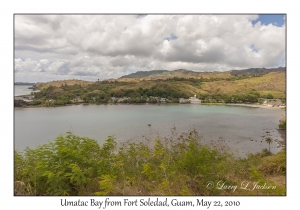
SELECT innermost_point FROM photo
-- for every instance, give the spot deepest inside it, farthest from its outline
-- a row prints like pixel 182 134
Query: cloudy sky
pixel 91 47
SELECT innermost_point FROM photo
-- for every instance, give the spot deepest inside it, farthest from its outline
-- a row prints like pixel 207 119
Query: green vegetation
pixel 282 124
pixel 178 165
pixel 210 88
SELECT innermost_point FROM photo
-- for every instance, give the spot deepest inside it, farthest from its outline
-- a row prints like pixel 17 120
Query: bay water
pixel 22 90
pixel 242 129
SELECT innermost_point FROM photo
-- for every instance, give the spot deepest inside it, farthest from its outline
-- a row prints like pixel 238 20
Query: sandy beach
pixel 258 106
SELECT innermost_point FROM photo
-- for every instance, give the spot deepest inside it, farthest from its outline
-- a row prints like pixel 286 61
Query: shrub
pixel 177 165
pixel 282 124
pixel 275 164
pixel 62 167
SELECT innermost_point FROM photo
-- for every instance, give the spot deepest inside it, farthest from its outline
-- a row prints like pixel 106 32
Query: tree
pixel 269 140
pixel 269 96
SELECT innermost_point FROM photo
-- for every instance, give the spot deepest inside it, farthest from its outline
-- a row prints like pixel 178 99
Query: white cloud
pixel 26 65
pixel 112 45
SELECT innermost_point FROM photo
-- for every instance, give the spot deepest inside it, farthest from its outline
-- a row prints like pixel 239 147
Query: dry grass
pixel 20 188
pixel 275 164
pixel 59 83
pixel 273 83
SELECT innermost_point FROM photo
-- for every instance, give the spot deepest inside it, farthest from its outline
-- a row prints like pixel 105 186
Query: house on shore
pixel 163 100
pixel 122 99
pixel 194 100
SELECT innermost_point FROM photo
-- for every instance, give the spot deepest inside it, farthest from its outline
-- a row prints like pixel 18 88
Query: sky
pixel 92 47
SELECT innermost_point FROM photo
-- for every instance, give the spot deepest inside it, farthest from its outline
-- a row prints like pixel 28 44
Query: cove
pixel 243 129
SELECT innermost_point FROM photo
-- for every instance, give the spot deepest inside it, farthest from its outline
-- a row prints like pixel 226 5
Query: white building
pixel 194 100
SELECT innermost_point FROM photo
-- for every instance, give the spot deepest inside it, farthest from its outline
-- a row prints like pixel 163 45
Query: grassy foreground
pixel 179 165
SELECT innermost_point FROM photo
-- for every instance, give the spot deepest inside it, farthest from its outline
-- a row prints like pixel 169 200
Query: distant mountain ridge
pixel 140 74
pixel 258 70
pixel 24 83
pixel 184 72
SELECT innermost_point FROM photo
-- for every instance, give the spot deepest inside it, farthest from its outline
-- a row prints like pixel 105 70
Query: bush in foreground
pixel 179 165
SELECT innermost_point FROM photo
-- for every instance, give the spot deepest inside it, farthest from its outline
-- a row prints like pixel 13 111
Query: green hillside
pixel 210 87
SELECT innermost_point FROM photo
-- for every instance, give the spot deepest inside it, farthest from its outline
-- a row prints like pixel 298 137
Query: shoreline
pixel 258 106
pixel 220 104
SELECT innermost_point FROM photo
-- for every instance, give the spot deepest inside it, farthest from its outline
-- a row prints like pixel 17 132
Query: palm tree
pixel 269 141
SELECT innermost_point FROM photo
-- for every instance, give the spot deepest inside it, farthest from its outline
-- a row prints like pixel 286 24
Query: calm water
pixel 22 90
pixel 241 128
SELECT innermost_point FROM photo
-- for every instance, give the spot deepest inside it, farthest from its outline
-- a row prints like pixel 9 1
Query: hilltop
pixel 165 74
pixel 265 81
pixel 182 73
pixel 141 74
pixel 59 83
pixel 258 70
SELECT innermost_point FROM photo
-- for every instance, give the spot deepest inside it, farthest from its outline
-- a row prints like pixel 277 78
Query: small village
pixel 151 99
